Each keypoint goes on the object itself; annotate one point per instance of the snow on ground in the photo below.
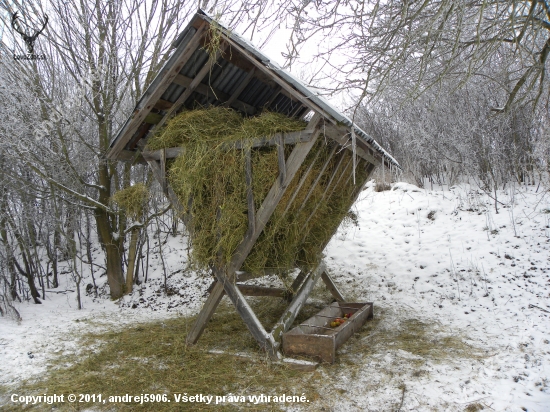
(442, 256)
(51, 329)
(450, 258)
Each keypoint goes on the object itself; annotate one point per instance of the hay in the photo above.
(215, 34)
(289, 239)
(209, 178)
(154, 358)
(202, 125)
(132, 200)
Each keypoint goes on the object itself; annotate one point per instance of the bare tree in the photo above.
(410, 46)
(100, 58)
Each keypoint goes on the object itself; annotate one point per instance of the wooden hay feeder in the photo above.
(236, 75)
(316, 338)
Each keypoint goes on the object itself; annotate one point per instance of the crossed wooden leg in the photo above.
(270, 342)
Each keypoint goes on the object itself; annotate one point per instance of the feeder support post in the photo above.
(331, 286)
(293, 309)
(248, 316)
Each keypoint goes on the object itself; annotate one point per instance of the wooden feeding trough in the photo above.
(316, 337)
(318, 171)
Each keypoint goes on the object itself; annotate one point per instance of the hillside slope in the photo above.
(461, 295)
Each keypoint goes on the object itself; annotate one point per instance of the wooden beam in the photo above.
(191, 88)
(249, 192)
(153, 94)
(295, 306)
(264, 339)
(281, 157)
(206, 313)
(240, 88)
(206, 90)
(298, 281)
(170, 153)
(302, 136)
(331, 286)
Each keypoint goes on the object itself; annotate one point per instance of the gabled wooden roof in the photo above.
(241, 78)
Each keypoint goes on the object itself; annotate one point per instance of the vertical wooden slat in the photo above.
(280, 142)
(163, 169)
(309, 193)
(250, 191)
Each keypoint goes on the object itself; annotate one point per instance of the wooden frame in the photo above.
(169, 93)
(226, 278)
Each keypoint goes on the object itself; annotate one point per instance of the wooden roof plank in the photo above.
(190, 89)
(152, 95)
(205, 90)
(240, 88)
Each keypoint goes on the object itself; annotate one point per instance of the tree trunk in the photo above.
(55, 280)
(132, 254)
(113, 255)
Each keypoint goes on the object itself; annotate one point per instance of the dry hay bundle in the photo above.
(209, 179)
(132, 200)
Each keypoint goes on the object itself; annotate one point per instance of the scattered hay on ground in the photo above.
(154, 358)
